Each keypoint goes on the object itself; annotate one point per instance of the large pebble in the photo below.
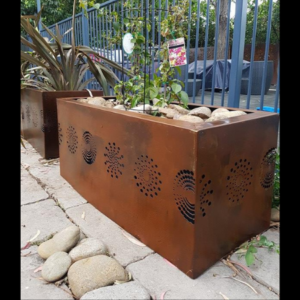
(168, 112)
(180, 109)
(87, 248)
(56, 266)
(218, 110)
(64, 241)
(94, 272)
(191, 119)
(97, 101)
(202, 112)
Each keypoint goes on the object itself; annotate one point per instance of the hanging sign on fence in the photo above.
(177, 53)
(127, 44)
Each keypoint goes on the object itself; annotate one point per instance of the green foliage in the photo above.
(59, 66)
(139, 88)
(249, 248)
(276, 187)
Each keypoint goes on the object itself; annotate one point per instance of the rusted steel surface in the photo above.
(39, 118)
(191, 193)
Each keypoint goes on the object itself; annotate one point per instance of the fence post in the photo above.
(85, 30)
(38, 3)
(237, 53)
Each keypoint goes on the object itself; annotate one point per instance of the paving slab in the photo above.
(31, 191)
(158, 276)
(97, 225)
(49, 177)
(32, 286)
(266, 266)
(45, 216)
(130, 290)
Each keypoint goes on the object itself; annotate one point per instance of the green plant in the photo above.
(61, 66)
(140, 88)
(276, 187)
(249, 248)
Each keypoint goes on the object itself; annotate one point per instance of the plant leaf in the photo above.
(184, 98)
(176, 88)
(249, 257)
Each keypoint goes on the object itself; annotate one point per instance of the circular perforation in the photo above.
(239, 180)
(113, 160)
(147, 176)
(184, 191)
(206, 192)
(72, 139)
(89, 149)
(267, 169)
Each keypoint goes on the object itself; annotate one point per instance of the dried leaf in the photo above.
(83, 215)
(26, 246)
(162, 295)
(26, 166)
(24, 255)
(33, 238)
(226, 298)
(242, 266)
(38, 269)
(251, 287)
(133, 239)
(241, 251)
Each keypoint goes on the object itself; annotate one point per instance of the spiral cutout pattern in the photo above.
(72, 139)
(184, 190)
(267, 169)
(239, 180)
(89, 149)
(113, 160)
(205, 195)
(147, 176)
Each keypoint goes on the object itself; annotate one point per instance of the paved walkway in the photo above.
(49, 204)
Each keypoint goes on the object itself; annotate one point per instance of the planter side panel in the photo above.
(132, 170)
(235, 172)
(32, 119)
(39, 118)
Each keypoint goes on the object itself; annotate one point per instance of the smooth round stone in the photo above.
(94, 272)
(56, 266)
(64, 241)
(202, 112)
(275, 216)
(191, 119)
(87, 248)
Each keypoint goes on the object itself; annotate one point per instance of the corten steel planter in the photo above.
(39, 118)
(190, 192)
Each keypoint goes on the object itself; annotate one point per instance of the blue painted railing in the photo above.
(90, 31)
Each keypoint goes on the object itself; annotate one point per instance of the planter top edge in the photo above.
(251, 115)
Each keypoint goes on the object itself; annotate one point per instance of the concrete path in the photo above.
(49, 204)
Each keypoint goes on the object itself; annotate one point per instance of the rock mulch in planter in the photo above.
(172, 111)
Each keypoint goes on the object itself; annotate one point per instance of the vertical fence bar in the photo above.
(205, 53)
(196, 50)
(85, 30)
(38, 3)
(253, 41)
(153, 37)
(226, 52)
(277, 87)
(188, 49)
(265, 71)
(237, 53)
(215, 54)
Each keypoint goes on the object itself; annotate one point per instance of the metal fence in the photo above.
(229, 82)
